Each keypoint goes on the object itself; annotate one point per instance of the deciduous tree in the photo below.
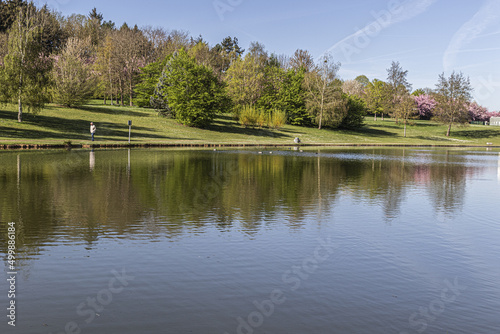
(397, 84)
(323, 92)
(377, 97)
(24, 76)
(353, 87)
(191, 92)
(245, 80)
(425, 105)
(405, 109)
(302, 59)
(74, 80)
(453, 95)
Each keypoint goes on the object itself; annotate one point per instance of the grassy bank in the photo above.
(57, 125)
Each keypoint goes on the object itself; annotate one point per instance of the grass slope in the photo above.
(56, 125)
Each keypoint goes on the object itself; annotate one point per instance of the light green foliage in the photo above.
(245, 80)
(323, 92)
(248, 116)
(277, 119)
(405, 109)
(418, 92)
(284, 91)
(203, 55)
(363, 80)
(377, 97)
(251, 116)
(453, 96)
(24, 76)
(191, 92)
(74, 82)
(397, 85)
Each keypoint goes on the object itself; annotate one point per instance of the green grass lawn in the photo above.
(57, 125)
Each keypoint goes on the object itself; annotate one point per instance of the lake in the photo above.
(288, 240)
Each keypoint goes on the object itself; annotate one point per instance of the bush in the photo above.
(277, 119)
(250, 116)
(356, 112)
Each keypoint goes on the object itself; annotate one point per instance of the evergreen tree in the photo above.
(148, 79)
(9, 11)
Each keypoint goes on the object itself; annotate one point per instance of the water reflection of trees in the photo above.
(79, 195)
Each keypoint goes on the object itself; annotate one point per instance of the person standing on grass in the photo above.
(92, 130)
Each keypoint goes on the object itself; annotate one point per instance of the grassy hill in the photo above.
(56, 125)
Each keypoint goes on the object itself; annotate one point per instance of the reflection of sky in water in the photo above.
(401, 222)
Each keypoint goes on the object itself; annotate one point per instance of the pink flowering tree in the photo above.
(478, 113)
(490, 114)
(425, 105)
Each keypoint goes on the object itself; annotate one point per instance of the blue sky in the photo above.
(427, 37)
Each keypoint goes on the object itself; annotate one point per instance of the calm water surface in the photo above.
(320, 241)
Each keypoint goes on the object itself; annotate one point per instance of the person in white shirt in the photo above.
(92, 130)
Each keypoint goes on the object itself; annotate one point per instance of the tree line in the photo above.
(46, 57)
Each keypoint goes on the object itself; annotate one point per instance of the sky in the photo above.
(427, 37)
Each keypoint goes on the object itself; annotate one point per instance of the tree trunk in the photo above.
(320, 117)
(404, 132)
(131, 92)
(321, 112)
(375, 116)
(20, 110)
(449, 129)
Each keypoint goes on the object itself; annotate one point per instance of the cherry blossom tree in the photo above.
(425, 106)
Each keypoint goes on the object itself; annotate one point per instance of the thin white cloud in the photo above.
(488, 14)
(386, 57)
(357, 41)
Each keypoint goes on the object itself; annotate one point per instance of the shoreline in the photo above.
(6, 147)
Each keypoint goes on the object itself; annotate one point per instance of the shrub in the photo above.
(249, 116)
(277, 119)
